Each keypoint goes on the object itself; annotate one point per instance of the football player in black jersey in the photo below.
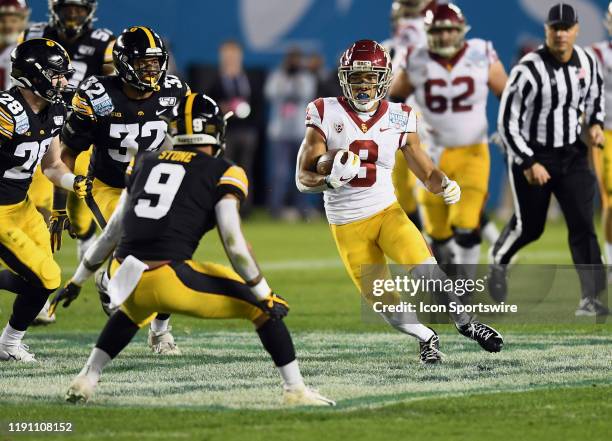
(31, 116)
(173, 198)
(121, 115)
(90, 49)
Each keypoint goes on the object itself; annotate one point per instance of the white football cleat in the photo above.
(81, 390)
(43, 317)
(19, 352)
(305, 396)
(162, 343)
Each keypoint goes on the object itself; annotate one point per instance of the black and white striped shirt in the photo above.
(545, 102)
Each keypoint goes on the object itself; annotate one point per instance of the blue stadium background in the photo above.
(267, 27)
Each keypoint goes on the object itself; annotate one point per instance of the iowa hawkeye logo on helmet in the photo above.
(36, 63)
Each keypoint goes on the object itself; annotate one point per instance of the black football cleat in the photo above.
(488, 338)
(430, 350)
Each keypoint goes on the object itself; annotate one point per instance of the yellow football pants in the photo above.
(41, 190)
(404, 182)
(104, 201)
(25, 245)
(364, 244)
(78, 212)
(470, 167)
(198, 289)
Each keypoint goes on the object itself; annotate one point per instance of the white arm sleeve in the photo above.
(104, 245)
(236, 247)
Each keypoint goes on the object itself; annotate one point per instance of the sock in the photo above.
(12, 282)
(117, 334)
(609, 253)
(27, 306)
(467, 256)
(96, 362)
(159, 325)
(11, 336)
(407, 323)
(490, 232)
(292, 377)
(276, 339)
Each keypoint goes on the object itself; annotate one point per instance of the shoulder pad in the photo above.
(235, 176)
(172, 82)
(102, 35)
(13, 117)
(92, 99)
(35, 30)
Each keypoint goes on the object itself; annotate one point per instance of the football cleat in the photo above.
(304, 396)
(497, 280)
(81, 390)
(430, 350)
(162, 343)
(43, 317)
(591, 307)
(19, 352)
(487, 337)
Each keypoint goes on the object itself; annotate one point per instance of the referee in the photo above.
(552, 95)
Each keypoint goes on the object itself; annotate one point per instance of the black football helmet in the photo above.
(137, 44)
(69, 25)
(198, 121)
(36, 63)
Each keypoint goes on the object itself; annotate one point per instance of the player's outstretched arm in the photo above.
(94, 257)
(243, 261)
(307, 179)
(422, 166)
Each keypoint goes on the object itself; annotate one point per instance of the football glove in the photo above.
(58, 222)
(450, 191)
(342, 172)
(68, 294)
(82, 186)
(275, 306)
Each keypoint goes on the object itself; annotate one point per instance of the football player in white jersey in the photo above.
(14, 16)
(603, 162)
(367, 223)
(450, 79)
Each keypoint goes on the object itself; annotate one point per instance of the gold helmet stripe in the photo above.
(149, 36)
(188, 117)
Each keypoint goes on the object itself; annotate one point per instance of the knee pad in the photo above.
(467, 238)
(50, 274)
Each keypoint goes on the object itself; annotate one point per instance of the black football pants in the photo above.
(573, 184)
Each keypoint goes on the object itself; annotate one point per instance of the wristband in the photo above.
(261, 290)
(67, 181)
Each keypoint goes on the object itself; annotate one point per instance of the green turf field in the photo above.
(549, 382)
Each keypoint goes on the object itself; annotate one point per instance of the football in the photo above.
(326, 161)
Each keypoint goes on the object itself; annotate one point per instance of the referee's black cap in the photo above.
(562, 14)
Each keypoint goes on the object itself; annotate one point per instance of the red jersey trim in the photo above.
(447, 63)
(364, 125)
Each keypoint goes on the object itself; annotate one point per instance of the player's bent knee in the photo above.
(467, 238)
(49, 273)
